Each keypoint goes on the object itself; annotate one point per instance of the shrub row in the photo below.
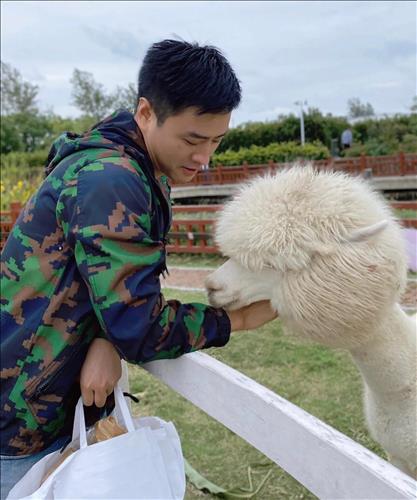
(21, 160)
(277, 152)
(385, 135)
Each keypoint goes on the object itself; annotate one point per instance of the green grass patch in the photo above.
(323, 382)
(406, 213)
(196, 215)
(191, 260)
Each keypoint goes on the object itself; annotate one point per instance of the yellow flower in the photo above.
(20, 184)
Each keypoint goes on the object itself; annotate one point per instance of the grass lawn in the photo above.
(319, 380)
(406, 213)
(191, 260)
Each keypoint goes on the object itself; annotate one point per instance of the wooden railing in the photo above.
(324, 460)
(191, 236)
(187, 235)
(196, 236)
(195, 209)
(192, 209)
(404, 205)
(409, 223)
(376, 166)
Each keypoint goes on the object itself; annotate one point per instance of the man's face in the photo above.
(183, 143)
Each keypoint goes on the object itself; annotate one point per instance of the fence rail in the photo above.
(404, 205)
(192, 236)
(400, 164)
(325, 461)
(193, 209)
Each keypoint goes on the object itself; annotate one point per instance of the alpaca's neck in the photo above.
(388, 362)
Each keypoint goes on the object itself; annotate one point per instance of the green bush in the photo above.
(285, 129)
(277, 152)
(21, 174)
(76, 125)
(25, 132)
(384, 136)
(374, 136)
(18, 183)
(373, 147)
(20, 160)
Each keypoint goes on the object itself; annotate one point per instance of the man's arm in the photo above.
(252, 316)
(102, 369)
(107, 222)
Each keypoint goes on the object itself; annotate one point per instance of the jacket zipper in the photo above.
(44, 385)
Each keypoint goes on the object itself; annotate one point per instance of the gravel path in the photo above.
(187, 278)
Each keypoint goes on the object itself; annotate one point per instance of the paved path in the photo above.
(186, 278)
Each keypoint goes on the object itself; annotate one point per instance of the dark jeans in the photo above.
(13, 468)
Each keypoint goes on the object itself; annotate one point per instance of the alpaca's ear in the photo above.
(367, 232)
(356, 236)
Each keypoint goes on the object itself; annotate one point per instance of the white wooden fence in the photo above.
(325, 461)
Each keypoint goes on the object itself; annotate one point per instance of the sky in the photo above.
(322, 53)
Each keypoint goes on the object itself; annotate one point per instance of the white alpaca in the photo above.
(327, 252)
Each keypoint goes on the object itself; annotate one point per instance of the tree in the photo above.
(24, 132)
(17, 96)
(9, 136)
(413, 107)
(23, 127)
(125, 97)
(92, 98)
(357, 109)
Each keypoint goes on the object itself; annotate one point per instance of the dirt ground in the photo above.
(194, 278)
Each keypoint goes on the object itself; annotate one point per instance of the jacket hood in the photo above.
(119, 132)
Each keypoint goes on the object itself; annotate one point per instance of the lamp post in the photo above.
(302, 132)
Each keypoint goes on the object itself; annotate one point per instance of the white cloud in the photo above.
(325, 52)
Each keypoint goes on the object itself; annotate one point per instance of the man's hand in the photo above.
(100, 372)
(252, 316)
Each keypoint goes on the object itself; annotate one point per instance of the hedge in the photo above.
(277, 152)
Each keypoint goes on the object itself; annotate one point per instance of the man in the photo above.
(81, 268)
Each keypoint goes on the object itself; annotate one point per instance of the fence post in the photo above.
(401, 157)
(15, 209)
(270, 167)
(363, 163)
(220, 173)
(245, 170)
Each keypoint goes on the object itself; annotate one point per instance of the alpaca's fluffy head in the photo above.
(322, 246)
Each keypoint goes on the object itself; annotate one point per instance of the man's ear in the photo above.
(144, 113)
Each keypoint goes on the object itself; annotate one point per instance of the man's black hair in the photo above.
(176, 75)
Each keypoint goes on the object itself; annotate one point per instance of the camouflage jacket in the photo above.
(83, 260)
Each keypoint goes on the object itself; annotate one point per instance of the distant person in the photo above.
(80, 270)
(346, 138)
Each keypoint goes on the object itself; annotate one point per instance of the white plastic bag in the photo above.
(144, 463)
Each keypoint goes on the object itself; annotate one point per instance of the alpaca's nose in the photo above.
(212, 286)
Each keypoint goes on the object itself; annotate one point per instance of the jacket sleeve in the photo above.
(107, 220)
